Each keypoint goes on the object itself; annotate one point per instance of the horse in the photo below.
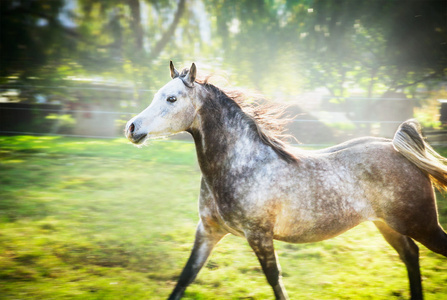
(257, 186)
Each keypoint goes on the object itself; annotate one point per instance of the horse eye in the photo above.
(171, 99)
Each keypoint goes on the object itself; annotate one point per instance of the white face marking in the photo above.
(163, 117)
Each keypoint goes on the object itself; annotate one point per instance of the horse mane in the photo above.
(267, 119)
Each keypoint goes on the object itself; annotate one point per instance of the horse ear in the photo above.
(174, 72)
(191, 76)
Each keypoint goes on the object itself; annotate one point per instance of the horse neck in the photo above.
(226, 138)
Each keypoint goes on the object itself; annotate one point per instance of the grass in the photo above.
(89, 219)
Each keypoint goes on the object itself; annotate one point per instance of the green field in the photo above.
(102, 219)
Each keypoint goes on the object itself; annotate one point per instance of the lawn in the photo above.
(102, 219)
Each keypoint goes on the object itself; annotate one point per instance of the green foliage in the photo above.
(64, 122)
(426, 119)
(278, 47)
(102, 219)
(33, 40)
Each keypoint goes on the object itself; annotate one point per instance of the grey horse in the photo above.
(258, 187)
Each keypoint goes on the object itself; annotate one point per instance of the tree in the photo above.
(391, 44)
(33, 42)
(109, 39)
(375, 45)
(286, 46)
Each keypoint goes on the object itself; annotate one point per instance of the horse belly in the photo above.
(321, 218)
(318, 229)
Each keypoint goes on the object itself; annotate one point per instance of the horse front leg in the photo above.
(203, 245)
(262, 245)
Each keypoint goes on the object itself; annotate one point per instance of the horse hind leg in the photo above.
(414, 214)
(408, 252)
(420, 222)
(434, 238)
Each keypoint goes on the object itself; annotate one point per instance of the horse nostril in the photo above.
(131, 128)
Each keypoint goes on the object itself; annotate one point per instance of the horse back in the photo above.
(339, 187)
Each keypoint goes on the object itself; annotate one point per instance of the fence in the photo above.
(48, 120)
(320, 120)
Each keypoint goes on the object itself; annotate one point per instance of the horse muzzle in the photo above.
(132, 132)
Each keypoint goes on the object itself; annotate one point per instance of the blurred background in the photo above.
(85, 215)
(346, 67)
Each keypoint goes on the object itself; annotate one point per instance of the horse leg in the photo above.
(419, 221)
(203, 245)
(434, 238)
(262, 245)
(408, 253)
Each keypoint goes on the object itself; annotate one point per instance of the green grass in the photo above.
(102, 219)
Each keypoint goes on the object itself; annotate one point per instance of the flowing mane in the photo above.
(266, 120)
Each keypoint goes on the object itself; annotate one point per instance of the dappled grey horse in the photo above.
(256, 186)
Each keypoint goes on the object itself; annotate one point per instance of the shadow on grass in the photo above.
(14, 208)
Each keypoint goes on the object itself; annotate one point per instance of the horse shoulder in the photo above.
(210, 214)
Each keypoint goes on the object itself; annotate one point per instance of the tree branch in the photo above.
(159, 46)
(423, 79)
(135, 23)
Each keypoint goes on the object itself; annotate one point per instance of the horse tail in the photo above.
(409, 141)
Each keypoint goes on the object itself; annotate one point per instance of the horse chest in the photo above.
(237, 202)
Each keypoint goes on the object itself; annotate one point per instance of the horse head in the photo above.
(171, 111)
